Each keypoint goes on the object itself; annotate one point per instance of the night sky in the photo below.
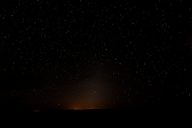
(91, 54)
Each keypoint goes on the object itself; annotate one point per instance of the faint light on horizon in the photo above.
(86, 105)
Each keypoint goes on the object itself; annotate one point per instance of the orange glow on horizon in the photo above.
(84, 106)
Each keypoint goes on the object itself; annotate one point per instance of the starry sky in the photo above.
(90, 54)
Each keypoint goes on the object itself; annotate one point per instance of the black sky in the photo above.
(123, 53)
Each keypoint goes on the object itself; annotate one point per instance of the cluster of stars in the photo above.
(144, 49)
